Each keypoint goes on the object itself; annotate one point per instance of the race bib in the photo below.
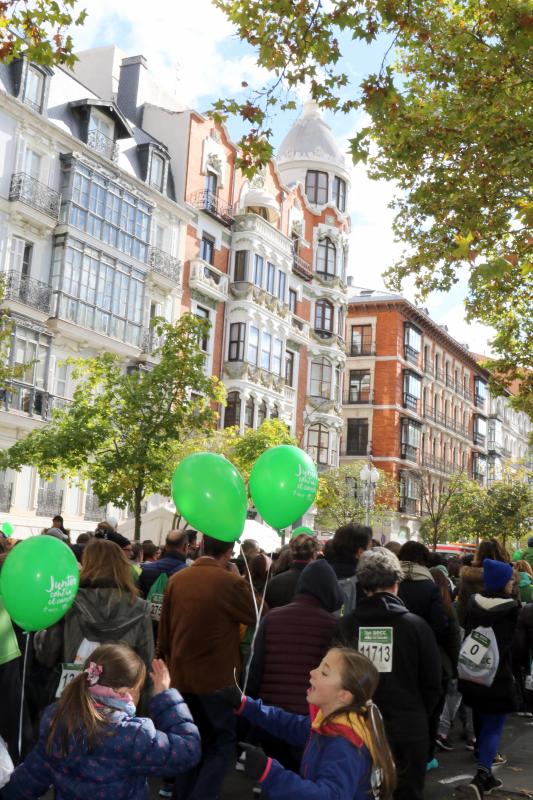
(475, 647)
(68, 673)
(377, 645)
(156, 604)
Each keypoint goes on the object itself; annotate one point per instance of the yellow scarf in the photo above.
(352, 726)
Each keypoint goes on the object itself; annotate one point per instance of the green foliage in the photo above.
(338, 503)
(38, 30)
(8, 371)
(122, 428)
(449, 120)
(436, 508)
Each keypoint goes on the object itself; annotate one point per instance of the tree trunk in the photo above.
(138, 496)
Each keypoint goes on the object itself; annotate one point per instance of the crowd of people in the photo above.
(335, 672)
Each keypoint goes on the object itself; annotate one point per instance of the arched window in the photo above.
(321, 379)
(261, 413)
(274, 414)
(318, 443)
(324, 316)
(232, 415)
(249, 413)
(325, 257)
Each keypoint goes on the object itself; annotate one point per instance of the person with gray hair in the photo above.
(402, 647)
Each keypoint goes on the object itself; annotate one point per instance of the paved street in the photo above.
(455, 769)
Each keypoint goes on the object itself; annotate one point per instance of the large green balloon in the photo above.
(38, 582)
(283, 484)
(210, 493)
(302, 529)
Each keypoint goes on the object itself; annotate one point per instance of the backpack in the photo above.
(348, 587)
(479, 657)
(155, 596)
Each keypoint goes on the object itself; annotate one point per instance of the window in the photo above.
(357, 437)
(237, 332)
(324, 316)
(410, 440)
(480, 392)
(32, 164)
(318, 442)
(409, 492)
(249, 411)
(412, 384)
(271, 278)
(427, 358)
(266, 346)
(437, 365)
(157, 171)
(277, 350)
(337, 384)
(325, 257)
(98, 292)
(293, 297)
(211, 183)
(412, 342)
(32, 349)
(232, 414)
(203, 313)
(479, 466)
(241, 262)
(339, 193)
(102, 124)
(61, 380)
(316, 187)
(253, 344)
(361, 341)
(289, 367)
(480, 430)
(34, 89)
(207, 248)
(20, 256)
(261, 413)
(108, 212)
(359, 388)
(282, 283)
(274, 414)
(320, 384)
(258, 271)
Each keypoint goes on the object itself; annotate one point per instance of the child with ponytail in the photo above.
(91, 744)
(346, 755)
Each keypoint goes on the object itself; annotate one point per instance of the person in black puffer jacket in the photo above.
(419, 591)
(343, 552)
(282, 587)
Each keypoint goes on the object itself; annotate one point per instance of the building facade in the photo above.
(118, 205)
(417, 402)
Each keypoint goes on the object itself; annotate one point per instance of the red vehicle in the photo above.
(456, 549)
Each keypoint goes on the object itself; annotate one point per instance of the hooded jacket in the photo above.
(100, 615)
(150, 572)
(120, 764)
(407, 695)
(292, 640)
(334, 766)
(499, 612)
(421, 596)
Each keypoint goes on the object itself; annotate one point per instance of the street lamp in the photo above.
(369, 476)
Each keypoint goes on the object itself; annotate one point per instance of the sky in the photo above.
(198, 56)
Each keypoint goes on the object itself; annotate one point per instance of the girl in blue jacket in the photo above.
(91, 744)
(346, 757)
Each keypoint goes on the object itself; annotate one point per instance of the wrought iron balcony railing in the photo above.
(357, 396)
(408, 505)
(18, 396)
(27, 290)
(364, 347)
(102, 144)
(207, 201)
(35, 194)
(164, 264)
(49, 502)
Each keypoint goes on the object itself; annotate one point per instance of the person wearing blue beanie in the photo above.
(493, 608)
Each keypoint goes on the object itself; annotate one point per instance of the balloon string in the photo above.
(257, 618)
(23, 692)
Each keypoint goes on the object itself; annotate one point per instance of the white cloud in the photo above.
(474, 335)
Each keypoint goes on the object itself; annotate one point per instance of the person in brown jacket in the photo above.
(199, 639)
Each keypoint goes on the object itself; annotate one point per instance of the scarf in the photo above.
(106, 696)
(352, 726)
(416, 572)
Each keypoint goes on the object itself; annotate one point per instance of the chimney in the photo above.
(133, 74)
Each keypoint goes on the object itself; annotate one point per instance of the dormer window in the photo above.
(101, 134)
(339, 193)
(34, 89)
(316, 187)
(157, 171)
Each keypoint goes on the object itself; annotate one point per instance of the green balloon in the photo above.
(302, 529)
(38, 582)
(7, 528)
(210, 493)
(283, 484)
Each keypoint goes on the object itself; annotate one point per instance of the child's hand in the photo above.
(160, 676)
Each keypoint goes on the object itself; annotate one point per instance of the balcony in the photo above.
(302, 267)
(56, 403)
(409, 452)
(49, 502)
(93, 509)
(494, 447)
(289, 393)
(151, 341)
(428, 369)
(251, 223)
(208, 280)
(6, 493)
(27, 291)
(408, 505)
(411, 354)
(102, 144)
(246, 371)
(438, 464)
(410, 402)
(299, 330)
(366, 347)
(214, 206)
(446, 422)
(29, 191)
(479, 439)
(360, 397)
(164, 264)
(18, 396)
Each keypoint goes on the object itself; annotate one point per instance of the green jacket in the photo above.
(527, 555)
(9, 649)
